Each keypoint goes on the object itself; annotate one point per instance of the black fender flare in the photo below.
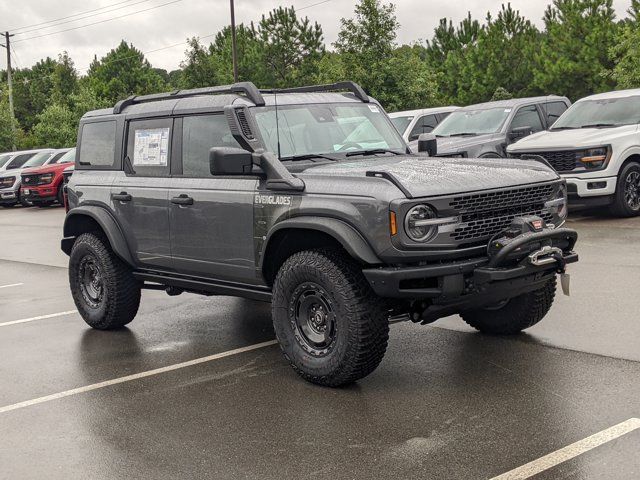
(352, 241)
(105, 221)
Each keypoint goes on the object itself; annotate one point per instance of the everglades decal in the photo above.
(284, 200)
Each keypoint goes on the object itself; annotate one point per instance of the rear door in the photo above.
(139, 193)
(211, 216)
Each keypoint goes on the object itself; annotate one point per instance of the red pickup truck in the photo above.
(43, 186)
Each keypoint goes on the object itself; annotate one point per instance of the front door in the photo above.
(211, 217)
(139, 196)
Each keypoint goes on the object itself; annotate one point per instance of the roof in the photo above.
(615, 94)
(513, 102)
(423, 111)
(35, 150)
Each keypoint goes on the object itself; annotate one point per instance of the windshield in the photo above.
(37, 160)
(472, 122)
(326, 129)
(70, 156)
(611, 112)
(401, 123)
(4, 159)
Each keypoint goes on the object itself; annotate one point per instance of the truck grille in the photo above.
(486, 214)
(561, 161)
(30, 179)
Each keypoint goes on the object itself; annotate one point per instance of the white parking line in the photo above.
(136, 376)
(11, 285)
(41, 317)
(571, 451)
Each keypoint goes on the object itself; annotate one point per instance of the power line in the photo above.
(313, 5)
(82, 18)
(69, 16)
(99, 22)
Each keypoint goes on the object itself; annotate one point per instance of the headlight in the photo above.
(45, 178)
(559, 205)
(595, 157)
(7, 182)
(419, 223)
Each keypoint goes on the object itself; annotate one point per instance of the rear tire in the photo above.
(103, 287)
(627, 198)
(330, 325)
(517, 314)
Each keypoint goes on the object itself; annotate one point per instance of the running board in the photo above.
(205, 286)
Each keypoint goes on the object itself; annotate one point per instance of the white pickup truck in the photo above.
(595, 146)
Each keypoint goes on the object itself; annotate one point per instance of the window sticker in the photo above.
(151, 147)
(507, 110)
(374, 108)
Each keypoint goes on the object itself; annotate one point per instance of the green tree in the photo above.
(573, 57)
(8, 125)
(123, 72)
(65, 80)
(200, 68)
(625, 54)
(57, 127)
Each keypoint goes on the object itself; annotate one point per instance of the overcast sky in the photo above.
(172, 23)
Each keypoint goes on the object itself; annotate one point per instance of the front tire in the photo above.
(627, 199)
(330, 325)
(516, 314)
(103, 287)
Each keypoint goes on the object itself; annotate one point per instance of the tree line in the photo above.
(582, 49)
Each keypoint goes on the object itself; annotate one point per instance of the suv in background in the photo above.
(43, 186)
(307, 198)
(595, 146)
(10, 174)
(485, 130)
(413, 123)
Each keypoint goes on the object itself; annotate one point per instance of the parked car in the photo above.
(315, 204)
(10, 174)
(485, 130)
(412, 123)
(42, 186)
(66, 175)
(595, 146)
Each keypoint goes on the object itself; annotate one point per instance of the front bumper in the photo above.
(455, 286)
(39, 194)
(591, 187)
(8, 196)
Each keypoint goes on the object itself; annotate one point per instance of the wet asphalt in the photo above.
(446, 402)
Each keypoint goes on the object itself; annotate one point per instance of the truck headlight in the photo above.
(417, 224)
(7, 182)
(45, 178)
(559, 205)
(595, 157)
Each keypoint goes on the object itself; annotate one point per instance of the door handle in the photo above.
(122, 197)
(182, 200)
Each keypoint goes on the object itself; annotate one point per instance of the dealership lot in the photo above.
(445, 403)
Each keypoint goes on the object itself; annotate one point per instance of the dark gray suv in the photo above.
(309, 199)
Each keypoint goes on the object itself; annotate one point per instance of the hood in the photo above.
(422, 176)
(56, 167)
(449, 145)
(572, 139)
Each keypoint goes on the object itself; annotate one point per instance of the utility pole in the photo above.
(234, 50)
(7, 45)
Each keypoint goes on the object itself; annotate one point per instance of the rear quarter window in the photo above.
(97, 145)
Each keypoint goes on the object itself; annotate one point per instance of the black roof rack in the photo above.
(332, 87)
(246, 88)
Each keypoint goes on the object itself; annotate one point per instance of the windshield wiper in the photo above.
(308, 156)
(553, 129)
(463, 134)
(373, 151)
(599, 125)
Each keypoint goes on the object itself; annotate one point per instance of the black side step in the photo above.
(205, 286)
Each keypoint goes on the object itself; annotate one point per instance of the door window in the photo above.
(97, 145)
(553, 110)
(200, 134)
(527, 117)
(425, 124)
(149, 147)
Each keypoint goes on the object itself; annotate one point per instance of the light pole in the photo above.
(234, 51)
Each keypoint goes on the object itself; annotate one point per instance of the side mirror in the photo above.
(230, 161)
(519, 132)
(427, 143)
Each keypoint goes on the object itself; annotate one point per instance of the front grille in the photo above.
(484, 215)
(30, 179)
(561, 161)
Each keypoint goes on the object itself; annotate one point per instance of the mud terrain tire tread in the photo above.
(519, 314)
(122, 289)
(360, 346)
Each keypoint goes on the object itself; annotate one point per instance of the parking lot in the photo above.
(196, 388)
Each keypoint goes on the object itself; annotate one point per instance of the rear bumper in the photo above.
(476, 282)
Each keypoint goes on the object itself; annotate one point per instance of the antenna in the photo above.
(275, 99)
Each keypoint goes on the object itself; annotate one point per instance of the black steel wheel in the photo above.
(330, 325)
